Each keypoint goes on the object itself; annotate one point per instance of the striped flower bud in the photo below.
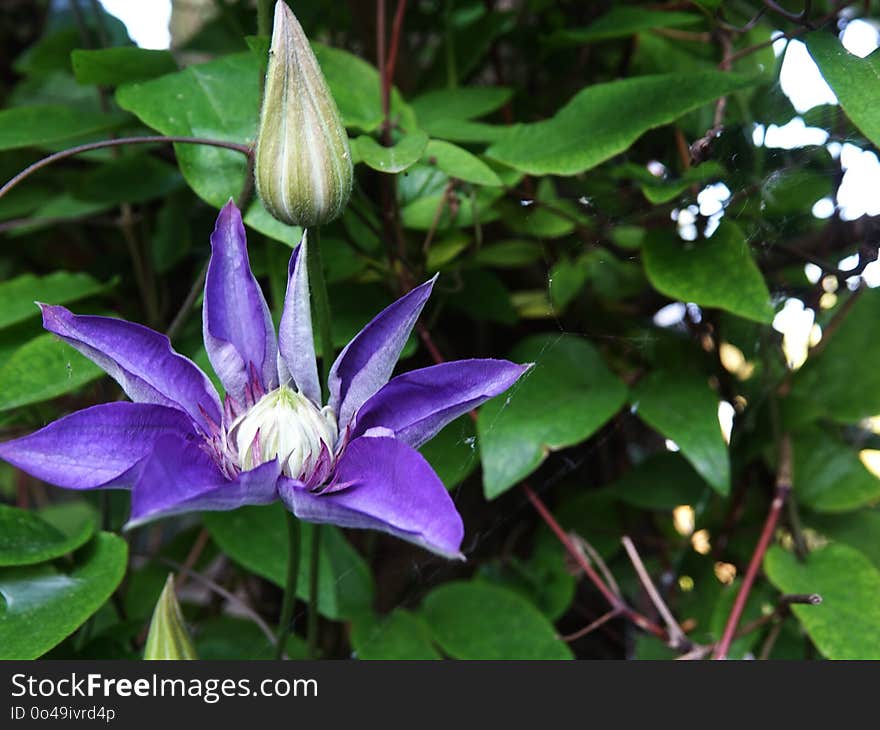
(303, 165)
(168, 638)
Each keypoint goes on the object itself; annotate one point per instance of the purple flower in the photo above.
(179, 449)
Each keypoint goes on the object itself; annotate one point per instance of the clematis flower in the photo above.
(179, 448)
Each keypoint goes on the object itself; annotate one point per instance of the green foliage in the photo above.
(44, 604)
(843, 625)
(853, 80)
(479, 621)
(591, 185)
(40, 369)
(556, 146)
(115, 66)
(564, 399)
(714, 272)
(256, 537)
(685, 410)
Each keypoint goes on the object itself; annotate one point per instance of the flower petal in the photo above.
(296, 344)
(368, 360)
(393, 489)
(239, 335)
(417, 404)
(98, 446)
(181, 477)
(141, 360)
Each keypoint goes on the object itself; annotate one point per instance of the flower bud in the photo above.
(287, 425)
(303, 164)
(168, 638)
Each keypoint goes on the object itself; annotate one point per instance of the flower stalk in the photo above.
(321, 302)
(287, 604)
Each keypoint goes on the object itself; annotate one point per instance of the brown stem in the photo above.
(590, 628)
(79, 149)
(615, 602)
(783, 487)
(677, 638)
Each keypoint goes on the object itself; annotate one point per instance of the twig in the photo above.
(120, 141)
(220, 591)
(783, 487)
(581, 543)
(589, 628)
(615, 601)
(677, 638)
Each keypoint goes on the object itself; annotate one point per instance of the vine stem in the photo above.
(614, 601)
(321, 304)
(119, 142)
(783, 487)
(293, 557)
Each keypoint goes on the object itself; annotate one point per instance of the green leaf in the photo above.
(218, 100)
(563, 400)
(855, 81)
(30, 126)
(620, 22)
(658, 190)
(846, 625)
(685, 409)
(829, 477)
(452, 452)
(843, 381)
(459, 163)
(605, 119)
(481, 621)
(42, 605)
(565, 281)
(663, 481)
(544, 579)
(398, 158)
(713, 272)
(17, 296)
(225, 637)
(41, 369)
(484, 298)
(509, 254)
(859, 529)
(467, 102)
(168, 637)
(401, 636)
(256, 537)
(26, 538)
(115, 66)
(134, 178)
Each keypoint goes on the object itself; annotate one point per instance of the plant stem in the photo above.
(118, 142)
(321, 308)
(264, 13)
(290, 589)
(783, 487)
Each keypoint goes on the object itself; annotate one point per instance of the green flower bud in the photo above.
(303, 165)
(168, 638)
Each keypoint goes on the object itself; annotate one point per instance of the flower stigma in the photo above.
(286, 424)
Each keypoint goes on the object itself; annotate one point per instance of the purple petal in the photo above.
(181, 477)
(140, 360)
(393, 489)
(239, 335)
(296, 344)
(368, 360)
(416, 405)
(98, 446)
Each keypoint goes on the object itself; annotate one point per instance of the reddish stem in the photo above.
(393, 48)
(615, 602)
(118, 142)
(783, 487)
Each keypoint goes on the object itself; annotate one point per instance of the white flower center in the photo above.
(287, 425)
